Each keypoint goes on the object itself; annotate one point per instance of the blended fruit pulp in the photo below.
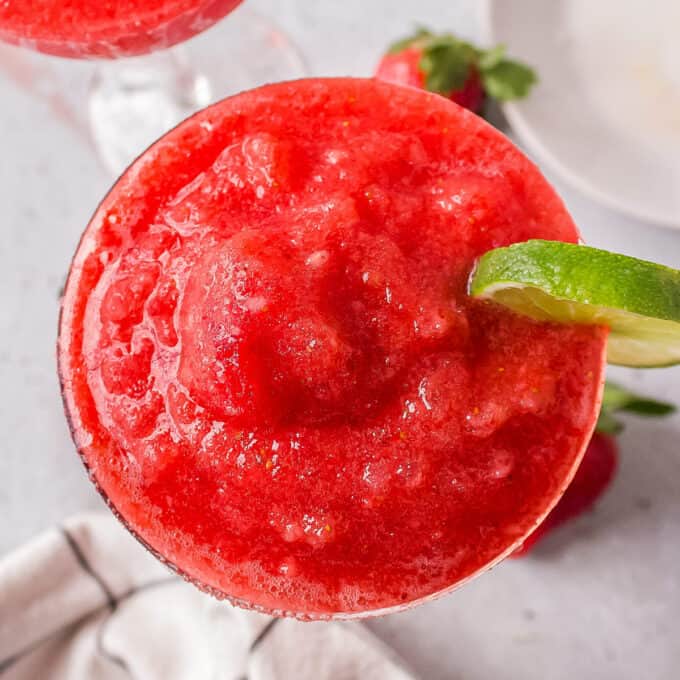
(83, 28)
(272, 367)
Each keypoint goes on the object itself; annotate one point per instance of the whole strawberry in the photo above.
(599, 463)
(590, 481)
(455, 69)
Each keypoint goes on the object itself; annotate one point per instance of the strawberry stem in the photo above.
(618, 399)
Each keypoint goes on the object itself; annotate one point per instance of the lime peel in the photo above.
(568, 283)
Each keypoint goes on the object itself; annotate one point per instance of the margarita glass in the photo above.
(272, 368)
(143, 84)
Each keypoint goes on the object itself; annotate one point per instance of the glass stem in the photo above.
(134, 101)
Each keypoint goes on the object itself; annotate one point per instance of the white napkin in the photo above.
(87, 602)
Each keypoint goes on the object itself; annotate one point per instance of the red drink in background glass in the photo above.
(141, 88)
(272, 369)
(84, 29)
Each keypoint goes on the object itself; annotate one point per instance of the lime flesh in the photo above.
(638, 301)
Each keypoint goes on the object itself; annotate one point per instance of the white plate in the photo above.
(606, 112)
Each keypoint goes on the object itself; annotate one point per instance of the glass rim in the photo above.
(218, 593)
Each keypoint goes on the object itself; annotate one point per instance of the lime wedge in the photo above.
(567, 283)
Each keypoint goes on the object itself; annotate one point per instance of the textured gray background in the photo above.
(600, 600)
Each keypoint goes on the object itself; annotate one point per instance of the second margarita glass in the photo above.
(144, 84)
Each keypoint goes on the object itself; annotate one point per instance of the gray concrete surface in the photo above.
(601, 600)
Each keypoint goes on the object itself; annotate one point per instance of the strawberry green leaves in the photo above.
(504, 79)
(448, 62)
(445, 61)
(618, 399)
(508, 80)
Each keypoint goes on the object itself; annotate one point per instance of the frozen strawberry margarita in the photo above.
(274, 372)
(87, 28)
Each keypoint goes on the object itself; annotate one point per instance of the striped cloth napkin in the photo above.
(87, 602)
